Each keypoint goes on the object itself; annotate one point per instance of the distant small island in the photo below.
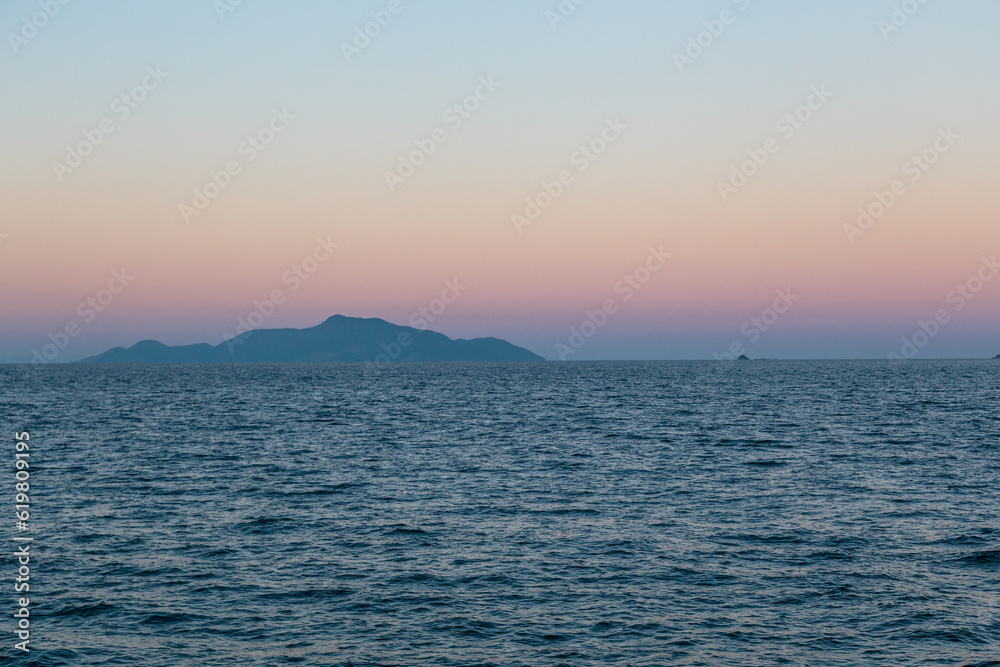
(338, 339)
(743, 357)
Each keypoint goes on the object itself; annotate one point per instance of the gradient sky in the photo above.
(655, 186)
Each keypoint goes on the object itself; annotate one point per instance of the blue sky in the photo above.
(892, 91)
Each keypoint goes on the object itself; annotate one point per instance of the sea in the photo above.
(543, 514)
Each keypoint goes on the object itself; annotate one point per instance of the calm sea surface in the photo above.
(761, 513)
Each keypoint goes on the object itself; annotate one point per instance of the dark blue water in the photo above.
(766, 513)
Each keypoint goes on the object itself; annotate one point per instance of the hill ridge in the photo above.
(338, 338)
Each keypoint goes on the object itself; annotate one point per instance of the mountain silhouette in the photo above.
(339, 338)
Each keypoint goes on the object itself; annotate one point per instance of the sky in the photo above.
(587, 179)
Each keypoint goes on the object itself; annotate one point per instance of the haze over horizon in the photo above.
(171, 168)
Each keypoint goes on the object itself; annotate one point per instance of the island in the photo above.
(337, 339)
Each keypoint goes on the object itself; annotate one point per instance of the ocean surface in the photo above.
(757, 513)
